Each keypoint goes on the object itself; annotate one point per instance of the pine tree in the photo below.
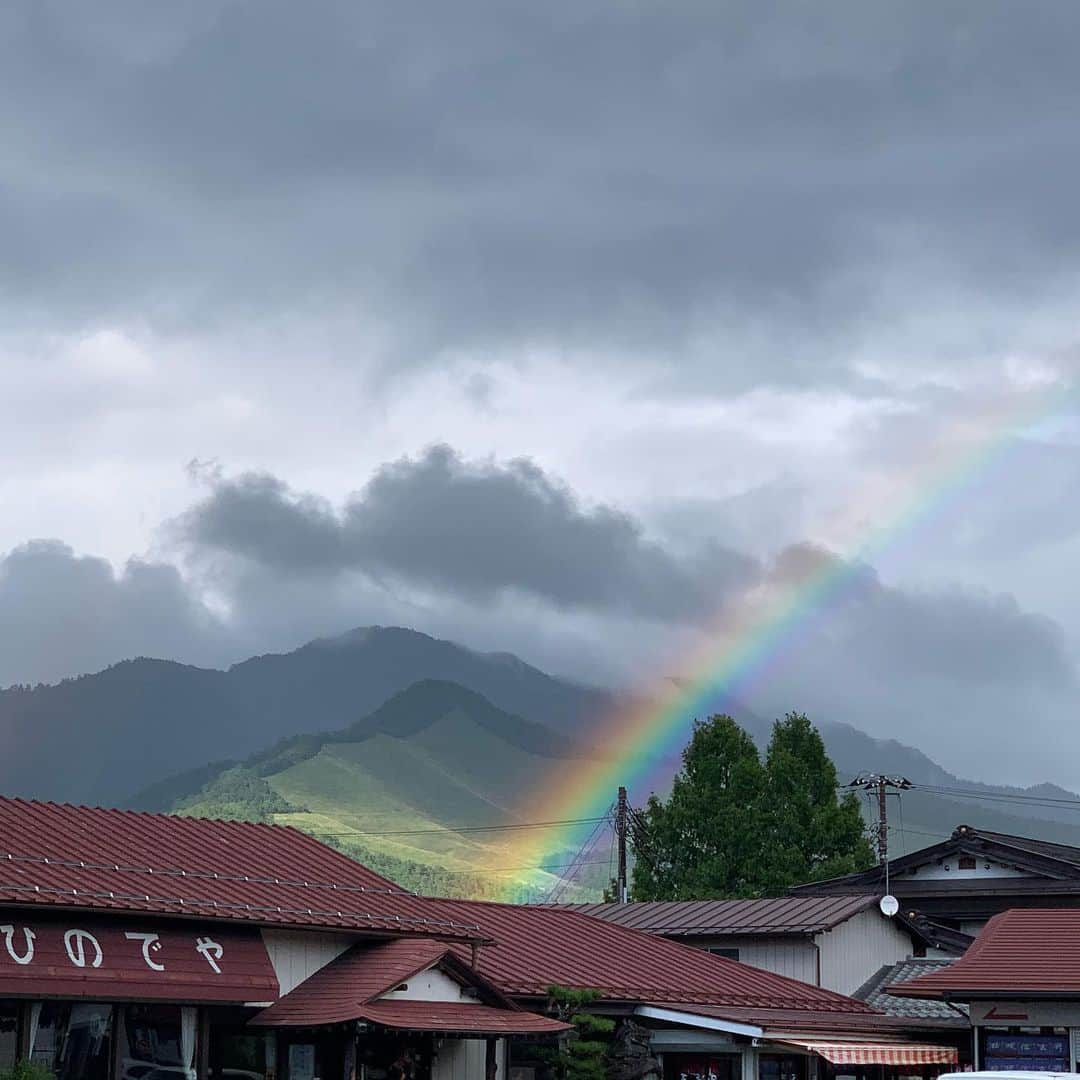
(583, 1055)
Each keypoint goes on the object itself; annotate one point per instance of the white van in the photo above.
(1005, 1074)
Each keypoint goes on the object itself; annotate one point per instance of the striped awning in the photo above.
(879, 1053)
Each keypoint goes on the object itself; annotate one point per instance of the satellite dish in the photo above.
(889, 905)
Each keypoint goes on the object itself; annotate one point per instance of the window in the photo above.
(72, 1041)
(781, 1067)
(727, 954)
(966, 862)
(157, 1039)
(236, 1053)
(9, 1034)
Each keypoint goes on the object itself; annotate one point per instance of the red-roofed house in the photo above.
(832, 941)
(707, 1016)
(1021, 982)
(146, 947)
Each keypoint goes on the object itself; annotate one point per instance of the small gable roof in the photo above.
(352, 987)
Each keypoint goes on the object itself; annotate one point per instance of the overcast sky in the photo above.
(558, 328)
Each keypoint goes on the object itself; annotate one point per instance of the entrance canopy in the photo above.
(879, 1053)
(457, 1018)
(367, 983)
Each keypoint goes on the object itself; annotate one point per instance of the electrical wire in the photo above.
(460, 828)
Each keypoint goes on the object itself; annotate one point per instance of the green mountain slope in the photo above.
(396, 785)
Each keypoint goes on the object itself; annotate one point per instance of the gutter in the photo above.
(709, 1023)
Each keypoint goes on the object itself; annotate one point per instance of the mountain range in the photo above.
(389, 742)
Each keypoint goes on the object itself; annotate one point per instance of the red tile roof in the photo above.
(456, 1017)
(538, 947)
(1019, 952)
(78, 857)
(784, 915)
(349, 988)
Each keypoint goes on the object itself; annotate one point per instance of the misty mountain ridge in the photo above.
(165, 730)
(100, 738)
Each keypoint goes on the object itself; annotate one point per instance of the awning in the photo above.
(879, 1053)
(452, 1016)
(132, 959)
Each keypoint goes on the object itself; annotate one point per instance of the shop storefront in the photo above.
(145, 947)
(98, 999)
(1021, 983)
(764, 1044)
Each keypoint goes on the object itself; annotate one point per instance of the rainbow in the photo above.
(760, 629)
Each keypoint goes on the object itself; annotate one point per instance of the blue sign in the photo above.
(1034, 1053)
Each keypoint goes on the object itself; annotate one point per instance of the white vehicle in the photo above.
(1005, 1074)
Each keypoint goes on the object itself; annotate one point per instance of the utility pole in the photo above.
(882, 784)
(621, 821)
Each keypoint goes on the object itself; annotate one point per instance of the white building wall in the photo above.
(295, 956)
(794, 957)
(854, 950)
(431, 985)
(949, 868)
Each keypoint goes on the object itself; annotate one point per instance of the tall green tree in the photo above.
(734, 826)
(813, 833)
(707, 839)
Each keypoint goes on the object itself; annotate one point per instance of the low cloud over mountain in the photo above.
(510, 555)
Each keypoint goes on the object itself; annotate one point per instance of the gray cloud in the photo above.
(473, 530)
(63, 614)
(748, 186)
(962, 635)
(966, 675)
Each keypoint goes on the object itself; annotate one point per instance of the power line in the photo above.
(459, 828)
(481, 871)
(1047, 801)
(992, 796)
(568, 876)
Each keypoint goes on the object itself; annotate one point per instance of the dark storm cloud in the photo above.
(62, 614)
(611, 175)
(473, 530)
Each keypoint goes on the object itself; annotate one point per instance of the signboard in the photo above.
(132, 960)
(1034, 1053)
